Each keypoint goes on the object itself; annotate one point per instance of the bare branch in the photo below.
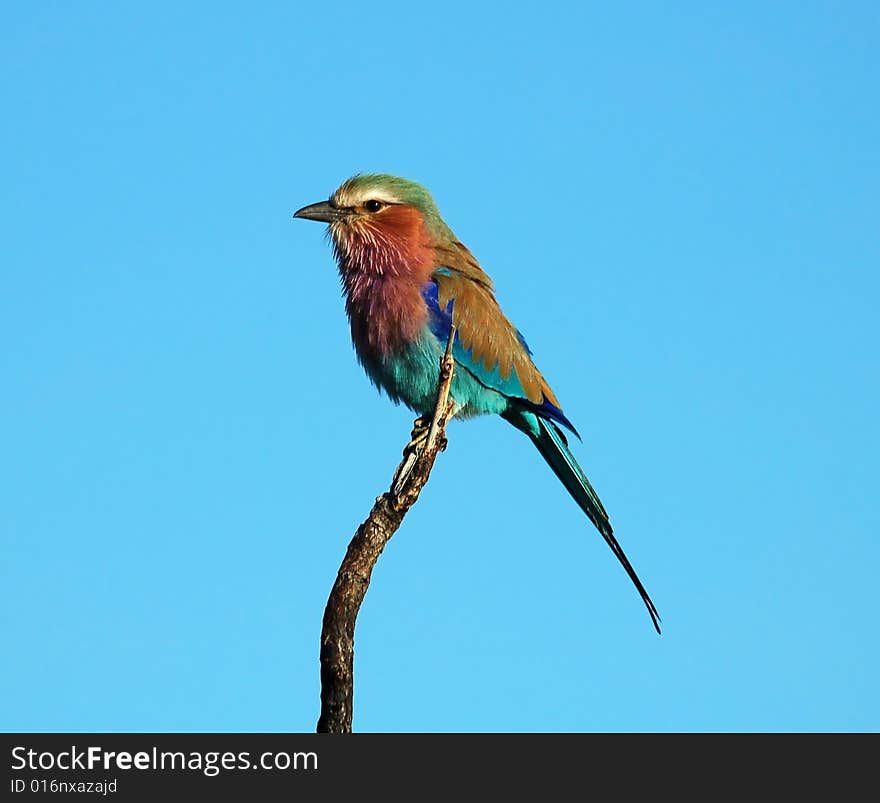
(353, 578)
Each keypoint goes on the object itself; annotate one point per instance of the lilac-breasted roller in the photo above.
(407, 279)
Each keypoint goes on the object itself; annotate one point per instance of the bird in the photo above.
(407, 280)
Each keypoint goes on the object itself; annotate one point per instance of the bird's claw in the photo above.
(421, 428)
(413, 451)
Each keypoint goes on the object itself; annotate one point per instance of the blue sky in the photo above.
(678, 205)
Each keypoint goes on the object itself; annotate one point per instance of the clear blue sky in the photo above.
(679, 207)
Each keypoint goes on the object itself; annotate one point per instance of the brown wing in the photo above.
(482, 327)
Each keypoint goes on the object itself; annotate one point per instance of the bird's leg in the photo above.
(421, 427)
(418, 441)
(411, 452)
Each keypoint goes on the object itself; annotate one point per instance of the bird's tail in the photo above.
(554, 449)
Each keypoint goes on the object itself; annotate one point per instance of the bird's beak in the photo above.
(323, 212)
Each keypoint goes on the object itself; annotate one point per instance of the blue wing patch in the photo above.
(522, 340)
(439, 320)
(547, 410)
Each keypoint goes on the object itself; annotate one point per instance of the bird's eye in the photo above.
(373, 206)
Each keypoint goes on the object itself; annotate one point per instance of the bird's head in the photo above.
(378, 215)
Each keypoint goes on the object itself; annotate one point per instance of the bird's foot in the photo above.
(412, 451)
(421, 428)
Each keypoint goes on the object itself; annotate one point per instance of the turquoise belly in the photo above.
(412, 376)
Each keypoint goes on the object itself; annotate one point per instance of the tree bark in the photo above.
(353, 578)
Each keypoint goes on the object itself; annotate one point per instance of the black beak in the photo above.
(324, 212)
